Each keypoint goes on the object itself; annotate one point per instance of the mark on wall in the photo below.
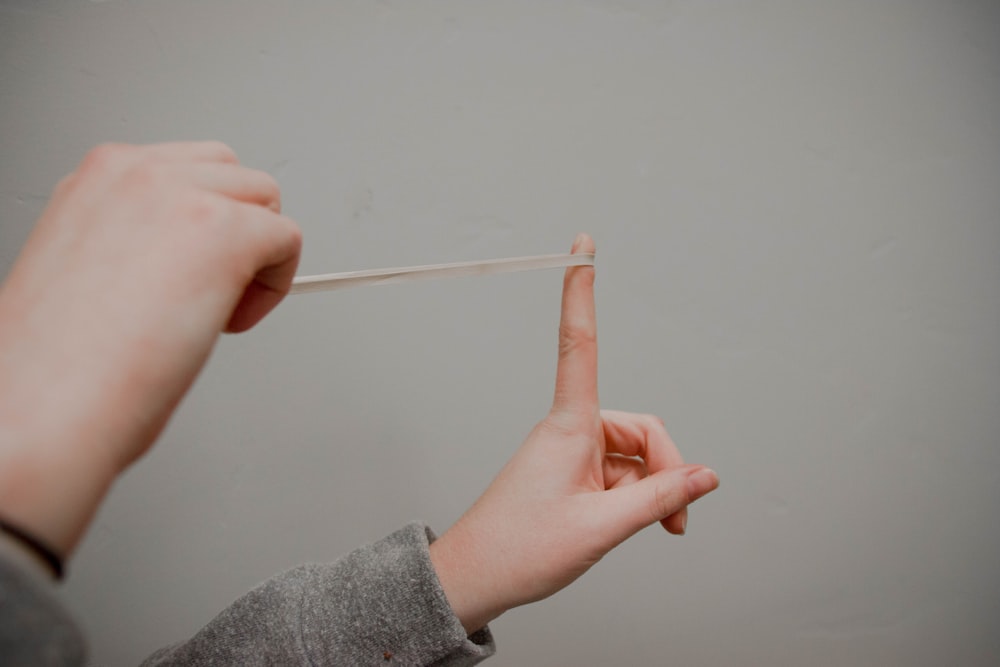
(360, 202)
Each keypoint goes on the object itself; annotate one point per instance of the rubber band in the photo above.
(333, 281)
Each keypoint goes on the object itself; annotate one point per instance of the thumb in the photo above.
(629, 509)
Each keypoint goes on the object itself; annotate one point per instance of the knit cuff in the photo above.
(392, 608)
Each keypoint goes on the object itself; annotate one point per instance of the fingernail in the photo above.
(701, 482)
(579, 239)
(684, 525)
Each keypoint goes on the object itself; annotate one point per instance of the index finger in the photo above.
(576, 374)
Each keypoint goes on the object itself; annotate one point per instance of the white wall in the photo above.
(797, 210)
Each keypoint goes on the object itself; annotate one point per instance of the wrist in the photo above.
(472, 591)
(40, 554)
(50, 492)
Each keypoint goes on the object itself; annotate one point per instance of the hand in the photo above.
(583, 482)
(142, 257)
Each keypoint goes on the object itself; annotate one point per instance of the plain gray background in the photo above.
(797, 213)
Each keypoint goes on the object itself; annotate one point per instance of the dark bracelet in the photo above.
(42, 550)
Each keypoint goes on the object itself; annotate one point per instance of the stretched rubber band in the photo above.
(332, 281)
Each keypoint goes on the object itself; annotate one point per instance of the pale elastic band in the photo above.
(332, 281)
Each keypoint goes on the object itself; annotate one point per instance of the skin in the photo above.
(584, 481)
(142, 257)
(145, 254)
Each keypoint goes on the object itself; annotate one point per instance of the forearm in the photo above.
(76, 404)
(56, 430)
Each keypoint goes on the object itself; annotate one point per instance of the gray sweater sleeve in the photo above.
(379, 605)
(35, 629)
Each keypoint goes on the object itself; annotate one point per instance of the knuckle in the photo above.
(294, 236)
(204, 210)
(103, 157)
(291, 239)
(143, 174)
(654, 421)
(564, 424)
(268, 182)
(65, 185)
(573, 336)
(222, 151)
(269, 185)
(557, 424)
